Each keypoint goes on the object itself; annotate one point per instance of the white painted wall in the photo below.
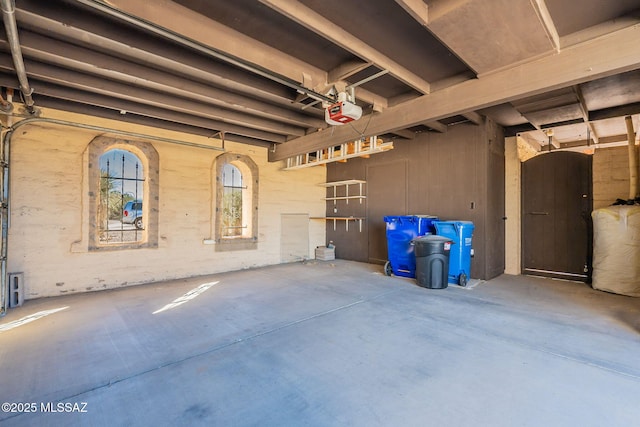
(49, 218)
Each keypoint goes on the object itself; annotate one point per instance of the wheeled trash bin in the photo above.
(401, 230)
(461, 234)
(432, 261)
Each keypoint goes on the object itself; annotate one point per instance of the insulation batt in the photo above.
(616, 250)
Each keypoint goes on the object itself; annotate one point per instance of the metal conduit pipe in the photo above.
(109, 130)
(9, 19)
(4, 188)
(633, 159)
(4, 214)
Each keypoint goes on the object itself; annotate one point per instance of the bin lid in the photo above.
(432, 244)
(432, 237)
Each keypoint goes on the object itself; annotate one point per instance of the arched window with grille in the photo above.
(123, 196)
(233, 217)
(121, 203)
(236, 201)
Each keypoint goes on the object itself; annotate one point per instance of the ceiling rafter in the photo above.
(418, 9)
(346, 70)
(61, 54)
(585, 114)
(436, 126)
(115, 90)
(307, 17)
(109, 43)
(128, 107)
(216, 65)
(404, 133)
(616, 53)
(174, 17)
(473, 117)
(547, 23)
(181, 20)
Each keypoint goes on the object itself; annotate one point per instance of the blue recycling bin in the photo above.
(401, 230)
(461, 234)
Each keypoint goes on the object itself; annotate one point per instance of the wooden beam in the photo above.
(473, 117)
(418, 9)
(197, 27)
(142, 96)
(436, 126)
(346, 70)
(604, 56)
(547, 23)
(404, 133)
(59, 53)
(609, 113)
(585, 113)
(312, 20)
(533, 143)
(604, 141)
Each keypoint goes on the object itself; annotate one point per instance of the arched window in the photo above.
(121, 203)
(233, 220)
(123, 196)
(236, 202)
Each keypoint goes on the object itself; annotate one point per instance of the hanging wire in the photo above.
(361, 134)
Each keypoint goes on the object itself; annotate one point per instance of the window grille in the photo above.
(233, 189)
(121, 198)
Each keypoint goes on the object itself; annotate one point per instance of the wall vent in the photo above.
(16, 289)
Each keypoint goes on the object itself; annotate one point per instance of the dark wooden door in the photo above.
(556, 215)
(387, 195)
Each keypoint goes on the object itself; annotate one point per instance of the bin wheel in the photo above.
(387, 268)
(463, 280)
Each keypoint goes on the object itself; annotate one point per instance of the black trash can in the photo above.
(432, 261)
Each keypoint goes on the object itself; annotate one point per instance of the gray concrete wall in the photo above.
(50, 221)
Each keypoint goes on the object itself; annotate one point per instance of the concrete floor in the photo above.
(326, 344)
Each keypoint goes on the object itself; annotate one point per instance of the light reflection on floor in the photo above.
(30, 318)
(187, 297)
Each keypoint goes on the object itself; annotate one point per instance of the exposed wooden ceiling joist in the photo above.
(307, 17)
(84, 83)
(436, 126)
(584, 110)
(87, 61)
(260, 68)
(616, 53)
(418, 9)
(166, 57)
(473, 117)
(404, 133)
(172, 16)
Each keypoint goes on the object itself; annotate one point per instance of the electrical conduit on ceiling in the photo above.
(9, 19)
